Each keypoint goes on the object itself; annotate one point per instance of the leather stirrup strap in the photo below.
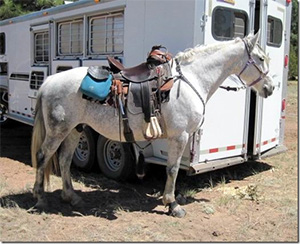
(145, 90)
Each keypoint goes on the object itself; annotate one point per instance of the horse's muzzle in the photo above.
(268, 90)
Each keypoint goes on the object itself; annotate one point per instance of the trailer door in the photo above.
(223, 132)
(272, 25)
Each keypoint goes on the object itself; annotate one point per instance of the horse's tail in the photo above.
(38, 137)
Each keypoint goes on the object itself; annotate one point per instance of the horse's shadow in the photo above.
(108, 198)
(99, 203)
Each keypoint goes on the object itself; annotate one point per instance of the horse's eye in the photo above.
(261, 59)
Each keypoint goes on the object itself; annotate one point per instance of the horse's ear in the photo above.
(252, 40)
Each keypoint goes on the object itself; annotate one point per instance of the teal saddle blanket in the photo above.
(96, 84)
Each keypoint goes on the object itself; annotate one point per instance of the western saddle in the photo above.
(142, 89)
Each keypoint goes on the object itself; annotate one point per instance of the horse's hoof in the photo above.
(77, 202)
(176, 211)
(39, 207)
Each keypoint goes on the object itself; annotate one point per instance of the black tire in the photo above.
(115, 159)
(4, 121)
(85, 154)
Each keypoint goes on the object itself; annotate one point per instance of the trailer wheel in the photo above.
(85, 154)
(115, 159)
(3, 111)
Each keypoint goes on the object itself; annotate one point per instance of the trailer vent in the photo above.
(3, 68)
(36, 79)
(2, 43)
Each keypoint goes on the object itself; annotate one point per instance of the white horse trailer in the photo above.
(238, 126)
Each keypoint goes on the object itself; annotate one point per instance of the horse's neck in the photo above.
(212, 67)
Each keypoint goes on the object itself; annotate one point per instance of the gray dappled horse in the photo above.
(199, 71)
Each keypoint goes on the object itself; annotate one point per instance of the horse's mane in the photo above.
(189, 54)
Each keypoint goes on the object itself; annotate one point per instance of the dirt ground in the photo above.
(252, 202)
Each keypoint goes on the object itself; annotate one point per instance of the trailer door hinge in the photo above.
(203, 21)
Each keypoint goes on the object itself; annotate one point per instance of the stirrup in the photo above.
(147, 131)
(152, 129)
(154, 120)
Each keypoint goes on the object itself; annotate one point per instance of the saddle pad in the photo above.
(96, 89)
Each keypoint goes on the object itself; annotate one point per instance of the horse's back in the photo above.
(67, 80)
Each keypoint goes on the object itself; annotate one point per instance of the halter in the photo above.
(249, 62)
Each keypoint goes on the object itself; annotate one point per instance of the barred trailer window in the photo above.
(229, 23)
(36, 79)
(106, 34)
(41, 48)
(70, 38)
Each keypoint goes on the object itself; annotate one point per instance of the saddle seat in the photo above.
(136, 74)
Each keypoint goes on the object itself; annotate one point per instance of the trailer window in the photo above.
(229, 23)
(36, 79)
(2, 43)
(62, 68)
(274, 32)
(106, 34)
(70, 38)
(41, 48)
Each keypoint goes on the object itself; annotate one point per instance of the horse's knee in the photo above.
(172, 170)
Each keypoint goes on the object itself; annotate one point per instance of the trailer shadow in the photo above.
(15, 140)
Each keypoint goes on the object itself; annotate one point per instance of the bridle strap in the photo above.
(251, 61)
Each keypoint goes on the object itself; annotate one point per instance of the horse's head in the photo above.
(256, 69)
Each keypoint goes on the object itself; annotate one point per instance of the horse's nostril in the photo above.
(273, 88)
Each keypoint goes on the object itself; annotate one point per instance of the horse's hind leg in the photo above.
(65, 159)
(176, 147)
(44, 154)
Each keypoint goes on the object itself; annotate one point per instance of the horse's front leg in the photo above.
(176, 147)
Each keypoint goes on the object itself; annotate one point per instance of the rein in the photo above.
(182, 77)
